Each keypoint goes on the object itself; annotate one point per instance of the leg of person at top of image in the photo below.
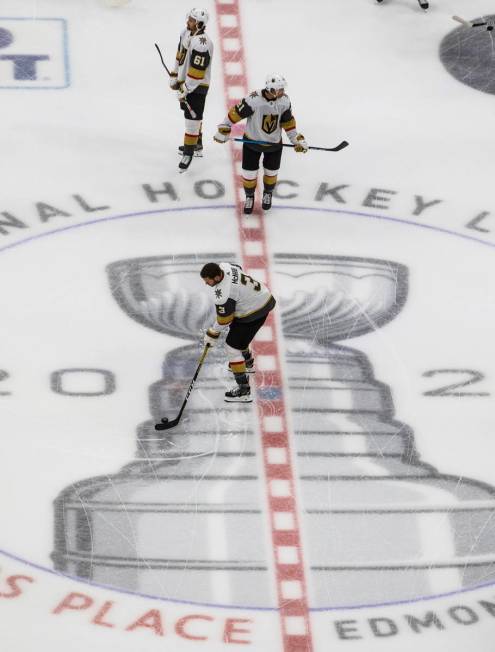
(250, 167)
(422, 3)
(271, 166)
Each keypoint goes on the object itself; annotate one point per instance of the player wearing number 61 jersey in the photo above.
(191, 79)
(242, 305)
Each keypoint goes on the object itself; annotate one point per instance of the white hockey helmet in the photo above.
(274, 83)
(199, 15)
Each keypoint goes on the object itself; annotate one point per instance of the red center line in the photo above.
(277, 457)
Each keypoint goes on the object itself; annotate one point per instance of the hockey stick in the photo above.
(466, 23)
(462, 21)
(340, 146)
(193, 114)
(165, 423)
(163, 62)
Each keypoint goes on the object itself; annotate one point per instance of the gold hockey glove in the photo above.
(172, 82)
(211, 337)
(300, 144)
(223, 133)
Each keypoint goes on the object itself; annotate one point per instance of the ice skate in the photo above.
(239, 394)
(185, 162)
(266, 202)
(248, 205)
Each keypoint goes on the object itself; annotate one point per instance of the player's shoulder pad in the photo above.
(200, 43)
(221, 292)
(285, 101)
(254, 98)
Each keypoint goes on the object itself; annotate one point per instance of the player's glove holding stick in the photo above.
(211, 337)
(172, 82)
(300, 144)
(223, 133)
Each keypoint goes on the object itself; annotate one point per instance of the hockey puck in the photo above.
(164, 420)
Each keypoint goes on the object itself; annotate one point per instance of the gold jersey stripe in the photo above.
(194, 73)
(234, 115)
(290, 124)
(225, 320)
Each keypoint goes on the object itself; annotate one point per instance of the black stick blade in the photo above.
(166, 424)
(337, 148)
(343, 144)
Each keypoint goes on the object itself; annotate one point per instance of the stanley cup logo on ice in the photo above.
(187, 519)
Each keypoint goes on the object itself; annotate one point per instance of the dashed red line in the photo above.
(277, 458)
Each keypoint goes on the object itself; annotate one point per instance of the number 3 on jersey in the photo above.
(256, 285)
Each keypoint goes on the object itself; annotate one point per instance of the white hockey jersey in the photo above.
(265, 118)
(193, 61)
(240, 297)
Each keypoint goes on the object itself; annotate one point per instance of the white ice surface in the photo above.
(370, 74)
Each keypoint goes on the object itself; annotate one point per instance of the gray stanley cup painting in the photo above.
(186, 519)
(247, 326)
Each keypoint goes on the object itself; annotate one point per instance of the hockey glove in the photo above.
(223, 133)
(300, 144)
(172, 82)
(211, 337)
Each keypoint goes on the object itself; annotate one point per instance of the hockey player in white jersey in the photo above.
(268, 111)
(242, 305)
(191, 79)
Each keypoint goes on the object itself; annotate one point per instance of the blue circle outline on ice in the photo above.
(358, 214)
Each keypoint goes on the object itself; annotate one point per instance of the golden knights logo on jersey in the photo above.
(269, 123)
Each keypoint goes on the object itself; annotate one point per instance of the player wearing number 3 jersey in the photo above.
(242, 306)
